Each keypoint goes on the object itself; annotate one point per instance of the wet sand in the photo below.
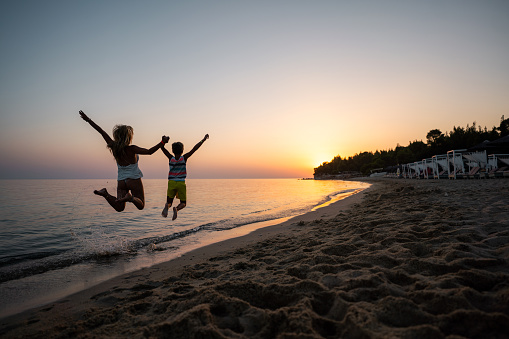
(404, 259)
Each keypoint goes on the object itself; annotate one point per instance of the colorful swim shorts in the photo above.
(178, 189)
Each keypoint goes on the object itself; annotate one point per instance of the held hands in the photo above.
(165, 139)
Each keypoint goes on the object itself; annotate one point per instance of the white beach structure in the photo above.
(477, 162)
(409, 170)
(439, 163)
(427, 167)
(413, 170)
(503, 159)
(496, 164)
(456, 166)
(404, 171)
(492, 162)
(420, 165)
(416, 170)
(416, 167)
(458, 163)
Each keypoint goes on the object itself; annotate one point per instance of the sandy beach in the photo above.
(402, 259)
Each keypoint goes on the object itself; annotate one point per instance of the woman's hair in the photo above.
(177, 148)
(122, 137)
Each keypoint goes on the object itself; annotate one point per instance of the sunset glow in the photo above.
(281, 87)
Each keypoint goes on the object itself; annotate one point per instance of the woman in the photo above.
(129, 185)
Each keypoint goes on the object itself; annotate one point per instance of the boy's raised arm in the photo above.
(165, 151)
(105, 135)
(195, 148)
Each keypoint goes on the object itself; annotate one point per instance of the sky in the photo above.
(280, 86)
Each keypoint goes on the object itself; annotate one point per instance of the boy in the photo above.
(177, 175)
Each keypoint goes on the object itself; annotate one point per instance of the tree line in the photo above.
(436, 143)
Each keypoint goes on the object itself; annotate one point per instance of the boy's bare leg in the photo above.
(169, 202)
(164, 213)
(178, 208)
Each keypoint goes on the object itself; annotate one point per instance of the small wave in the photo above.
(61, 260)
(33, 267)
(257, 212)
(11, 260)
(90, 249)
(95, 244)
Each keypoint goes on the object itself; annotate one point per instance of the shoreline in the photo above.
(400, 259)
(215, 239)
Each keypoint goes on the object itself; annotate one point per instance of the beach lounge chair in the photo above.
(502, 172)
(456, 165)
(427, 168)
(474, 173)
(439, 165)
(498, 165)
(477, 161)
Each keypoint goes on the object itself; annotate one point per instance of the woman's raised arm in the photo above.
(150, 151)
(105, 135)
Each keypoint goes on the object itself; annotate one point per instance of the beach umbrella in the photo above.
(500, 145)
(485, 145)
(504, 141)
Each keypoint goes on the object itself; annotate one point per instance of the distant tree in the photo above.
(457, 138)
(436, 142)
(404, 155)
(504, 127)
(419, 149)
(433, 136)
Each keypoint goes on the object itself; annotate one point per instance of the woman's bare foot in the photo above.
(126, 198)
(164, 213)
(102, 192)
(174, 213)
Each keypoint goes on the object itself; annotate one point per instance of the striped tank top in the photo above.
(178, 169)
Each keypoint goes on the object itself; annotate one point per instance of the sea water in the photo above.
(57, 237)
